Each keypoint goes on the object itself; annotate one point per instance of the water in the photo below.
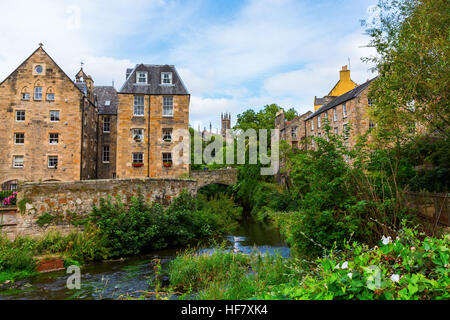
(130, 277)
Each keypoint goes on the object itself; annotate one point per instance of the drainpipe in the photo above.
(82, 137)
(148, 140)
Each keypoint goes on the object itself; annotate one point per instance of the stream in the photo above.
(130, 277)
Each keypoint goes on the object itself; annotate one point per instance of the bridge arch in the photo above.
(226, 177)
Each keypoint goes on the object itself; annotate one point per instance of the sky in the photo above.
(232, 55)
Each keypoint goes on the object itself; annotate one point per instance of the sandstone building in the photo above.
(58, 129)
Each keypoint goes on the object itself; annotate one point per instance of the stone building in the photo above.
(349, 109)
(107, 102)
(49, 124)
(293, 131)
(153, 104)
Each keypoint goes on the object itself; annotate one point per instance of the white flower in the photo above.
(386, 240)
(349, 275)
(413, 248)
(395, 278)
(344, 265)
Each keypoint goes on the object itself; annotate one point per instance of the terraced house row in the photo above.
(54, 128)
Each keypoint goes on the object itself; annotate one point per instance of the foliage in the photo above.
(8, 198)
(408, 268)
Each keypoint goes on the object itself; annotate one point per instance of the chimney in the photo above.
(345, 74)
(129, 70)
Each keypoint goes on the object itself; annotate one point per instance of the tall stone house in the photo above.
(58, 129)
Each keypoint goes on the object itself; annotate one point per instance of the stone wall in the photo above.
(432, 206)
(222, 176)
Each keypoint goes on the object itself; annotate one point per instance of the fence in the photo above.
(432, 206)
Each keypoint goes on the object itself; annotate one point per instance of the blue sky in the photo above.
(232, 55)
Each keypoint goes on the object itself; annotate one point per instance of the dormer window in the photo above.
(107, 103)
(166, 77)
(141, 77)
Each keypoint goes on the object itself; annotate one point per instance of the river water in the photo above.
(130, 277)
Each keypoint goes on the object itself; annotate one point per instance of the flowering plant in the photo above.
(9, 200)
(138, 164)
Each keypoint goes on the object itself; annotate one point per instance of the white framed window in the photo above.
(52, 162)
(334, 114)
(139, 106)
(370, 102)
(26, 96)
(138, 158)
(20, 115)
(141, 77)
(54, 115)
(106, 124)
(326, 115)
(166, 77)
(371, 124)
(107, 103)
(168, 106)
(18, 161)
(50, 97)
(105, 154)
(37, 93)
(19, 138)
(167, 159)
(54, 138)
(138, 135)
(294, 132)
(344, 110)
(318, 122)
(167, 134)
(336, 130)
(312, 124)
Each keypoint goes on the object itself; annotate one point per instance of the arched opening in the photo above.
(210, 190)
(11, 185)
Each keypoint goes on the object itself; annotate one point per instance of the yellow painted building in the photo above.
(344, 85)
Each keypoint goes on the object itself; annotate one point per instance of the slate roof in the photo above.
(341, 99)
(154, 85)
(103, 94)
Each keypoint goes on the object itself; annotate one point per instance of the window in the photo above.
(294, 132)
(25, 96)
(138, 135)
(37, 93)
(106, 124)
(370, 102)
(54, 138)
(344, 110)
(138, 158)
(105, 154)
(19, 138)
(167, 159)
(371, 124)
(20, 115)
(295, 145)
(167, 135)
(166, 77)
(107, 103)
(346, 133)
(326, 115)
(312, 124)
(319, 135)
(334, 114)
(312, 141)
(139, 106)
(53, 162)
(18, 161)
(168, 106)
(141, 77)
(38, 69)
(54, 115)
(318, 122)
(336, 130)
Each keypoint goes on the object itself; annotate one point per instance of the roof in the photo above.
(298, 118)
(342, 98)
(104, 94)
(153, 85)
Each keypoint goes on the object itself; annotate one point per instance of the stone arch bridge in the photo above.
(223, 176)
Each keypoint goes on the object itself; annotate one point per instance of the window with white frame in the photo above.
(370, 102)
(346, 133)
(166, 77)
(106, 124)
(167, 159)
(312, 124)
(334, 114)
(371, 124)
(18, 161)
(20, 115)
(25, 96)
(54, 138)
(141, 77)
(318, 121)
(167, 134)
(105, 154)
(138, 158)
(138, 135)
(139, 106)
(19, 138)
(54, 115)
(168, 106)
(294, 132)
(50, 97)
(37, 93)
(344, 110)
(53, 162)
